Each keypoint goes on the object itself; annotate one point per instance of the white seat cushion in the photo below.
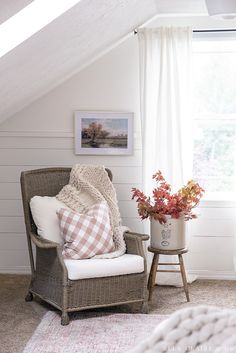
(91, 268)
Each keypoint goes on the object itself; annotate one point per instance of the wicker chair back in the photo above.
(43, 182)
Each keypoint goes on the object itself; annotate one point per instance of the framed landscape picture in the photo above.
(103, 133)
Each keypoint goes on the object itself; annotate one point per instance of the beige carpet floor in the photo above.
(19, 319)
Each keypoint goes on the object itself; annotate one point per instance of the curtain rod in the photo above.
(213, 30)
(206, 30)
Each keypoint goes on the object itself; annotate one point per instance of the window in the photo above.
(30, 20)
(214, 105)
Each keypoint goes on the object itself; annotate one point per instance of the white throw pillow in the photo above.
(43, 209)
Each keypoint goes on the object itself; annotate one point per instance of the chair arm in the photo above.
(43, 243)
(134, 243)
(53, 251)
(134, 235)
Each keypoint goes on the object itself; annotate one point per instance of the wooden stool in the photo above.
(155, 264)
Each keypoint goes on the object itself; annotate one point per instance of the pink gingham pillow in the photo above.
(86, 235)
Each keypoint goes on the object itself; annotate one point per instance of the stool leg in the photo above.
(184, 279)
(152, 275)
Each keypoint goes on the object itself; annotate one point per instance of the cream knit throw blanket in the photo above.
(89, 185)
(197, 329)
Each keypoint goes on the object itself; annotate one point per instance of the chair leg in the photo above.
(29, 297)
(144, 309)
(65, 318)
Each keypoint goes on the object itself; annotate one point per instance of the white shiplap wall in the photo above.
(22, 152)
(211, 237)
(212, 240)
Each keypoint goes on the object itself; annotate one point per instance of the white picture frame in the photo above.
(103, 133)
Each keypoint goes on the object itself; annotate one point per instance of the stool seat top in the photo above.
(168, 252)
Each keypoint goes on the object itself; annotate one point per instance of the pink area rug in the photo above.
(91, 333)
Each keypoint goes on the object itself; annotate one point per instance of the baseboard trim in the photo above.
(20, 270)
(217, 275)
(201, 274)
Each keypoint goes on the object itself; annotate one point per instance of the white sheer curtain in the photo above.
(165, 69)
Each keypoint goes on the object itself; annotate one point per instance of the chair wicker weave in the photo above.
(50, 280)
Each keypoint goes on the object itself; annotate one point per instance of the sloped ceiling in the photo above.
(70, 42)
(10, 8)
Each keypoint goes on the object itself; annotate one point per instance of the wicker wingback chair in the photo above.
(50, 280)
